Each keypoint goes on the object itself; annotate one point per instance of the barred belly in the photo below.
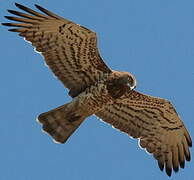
(93, 99)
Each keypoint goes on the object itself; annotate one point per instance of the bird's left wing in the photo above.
(70, 50)
(155, 122)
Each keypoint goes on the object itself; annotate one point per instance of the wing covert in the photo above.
(155, 122)
(69, 50)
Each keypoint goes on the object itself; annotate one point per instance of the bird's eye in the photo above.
(130, 80)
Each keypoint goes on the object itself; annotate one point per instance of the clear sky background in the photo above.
(153, 39)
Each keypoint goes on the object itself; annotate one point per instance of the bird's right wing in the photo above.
(70, 50)
(155, 122)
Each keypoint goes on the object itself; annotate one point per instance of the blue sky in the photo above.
(153, 39)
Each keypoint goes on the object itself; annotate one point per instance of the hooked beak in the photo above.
(133, 84)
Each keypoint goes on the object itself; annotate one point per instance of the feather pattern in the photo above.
(157, 125)
(69, 50)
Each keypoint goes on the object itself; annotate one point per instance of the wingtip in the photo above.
(12, 11)
(17, 4)
(161, 166)
(6, 24)
(182, 164)
(190, 143)
(188, 157)
(47, 12)
(13, 30)
(169, 174)
(176, 169)
(169, 171)
(20, 6)
(39, 7)
(9, 10)
(36, 5)
(9, 24)
(7, 17)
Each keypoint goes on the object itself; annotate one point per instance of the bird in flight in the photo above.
(71, 52)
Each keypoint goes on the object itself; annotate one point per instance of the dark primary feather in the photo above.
(47, 12)
(23, 15)
(69, 50)
(30, 10)
(157, 125)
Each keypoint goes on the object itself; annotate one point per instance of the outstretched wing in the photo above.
(69, 50)
(155, 122)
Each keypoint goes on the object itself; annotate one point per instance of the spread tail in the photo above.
(60, 123)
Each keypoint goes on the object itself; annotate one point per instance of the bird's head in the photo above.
(125, 78)
(129, 80)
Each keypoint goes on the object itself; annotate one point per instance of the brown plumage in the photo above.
(70, 51)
